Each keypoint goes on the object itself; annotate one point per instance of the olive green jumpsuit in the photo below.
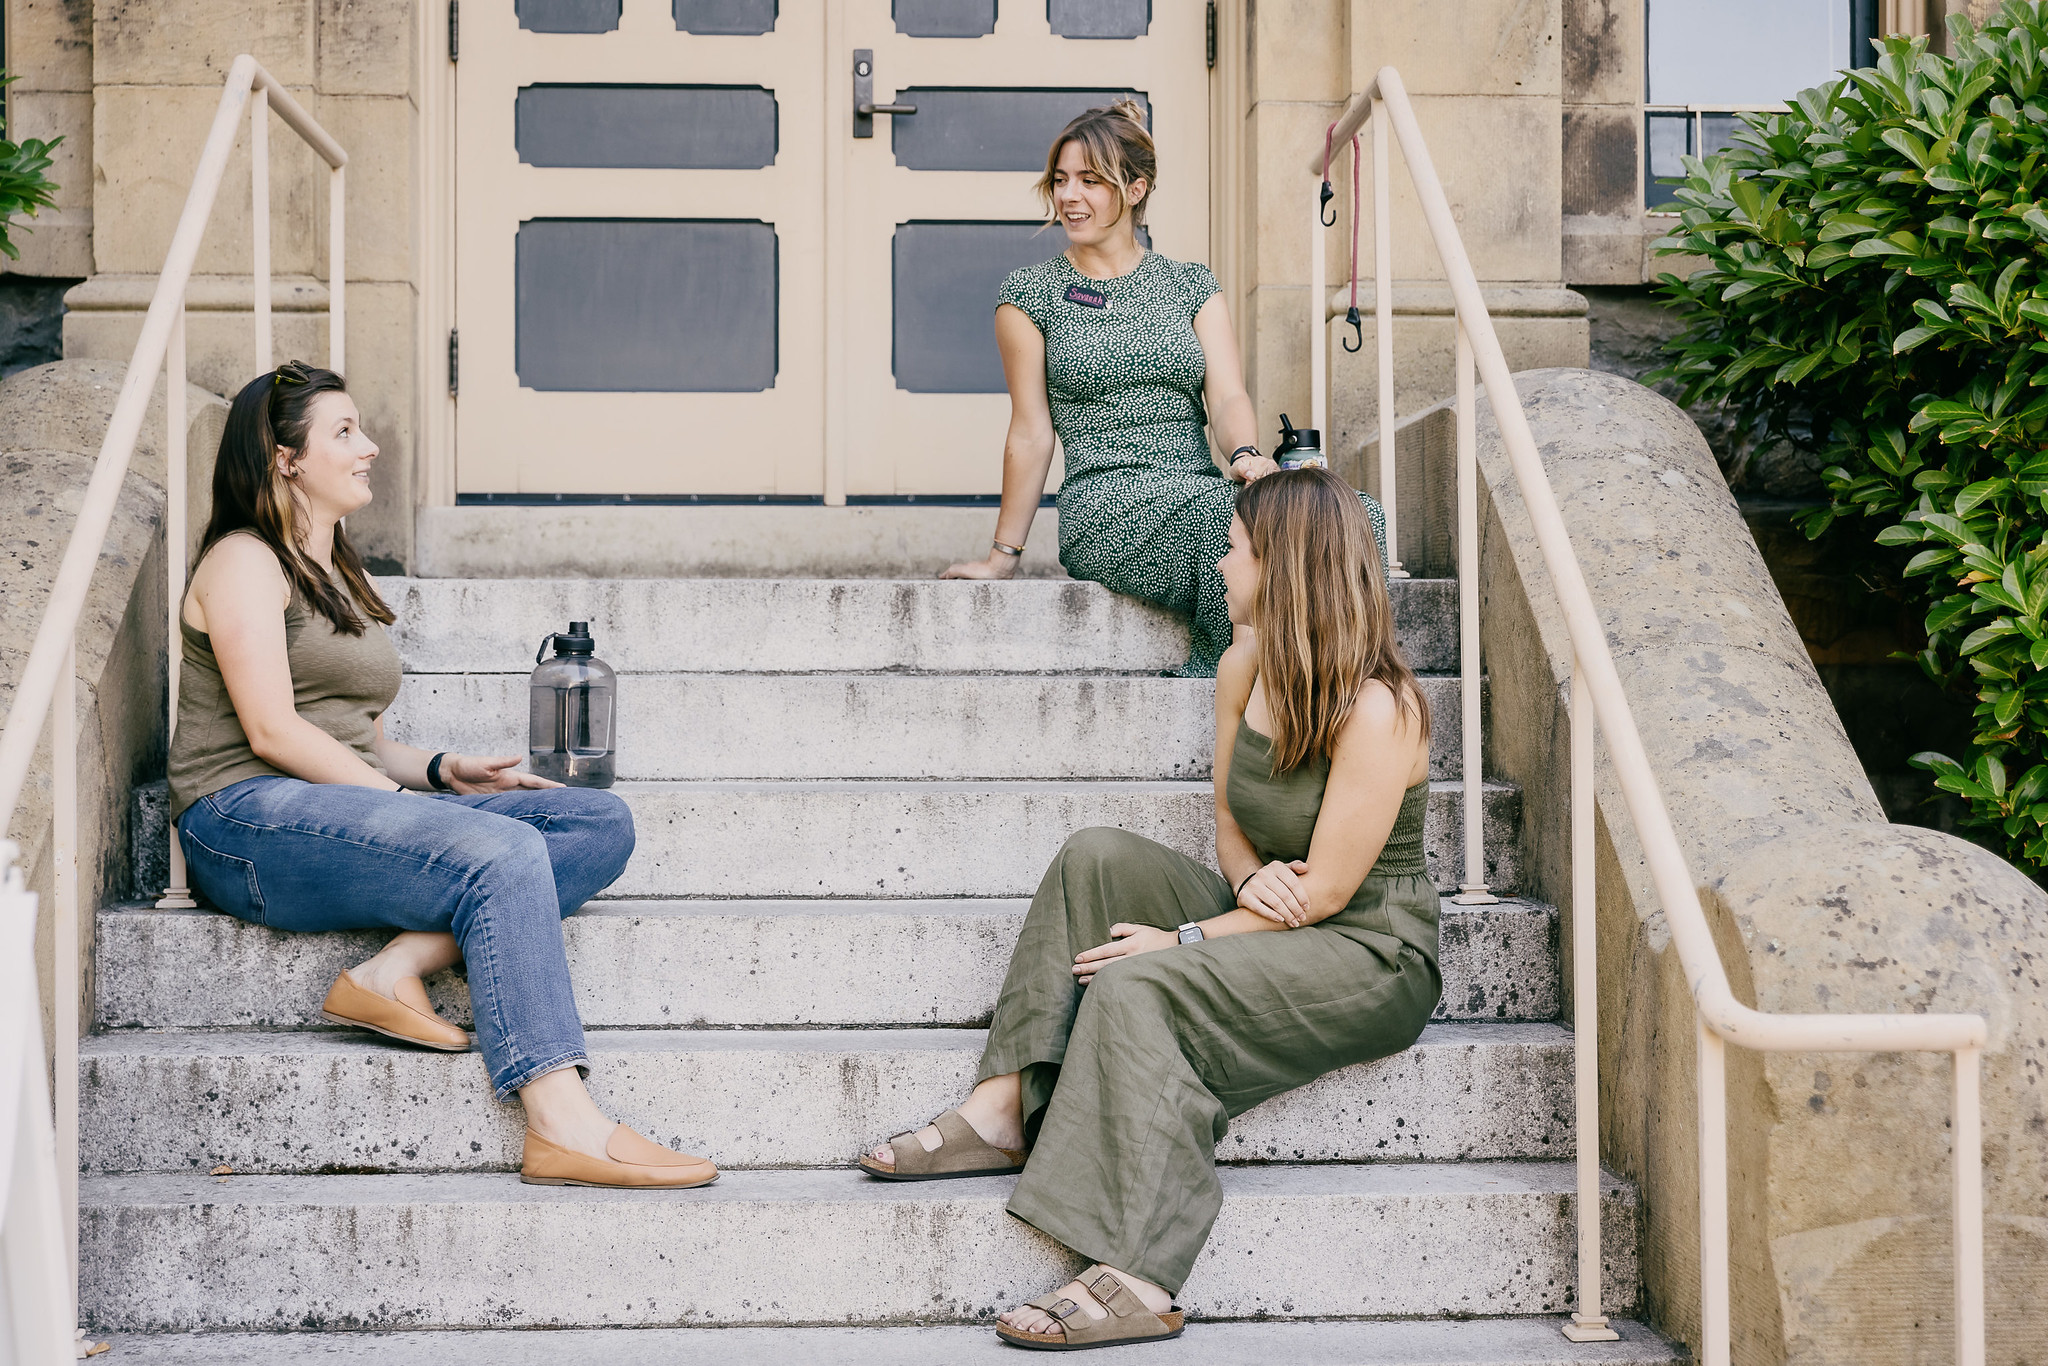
(1130, 1082)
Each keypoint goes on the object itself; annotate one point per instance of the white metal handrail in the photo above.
(48, 686)
(1598, 702)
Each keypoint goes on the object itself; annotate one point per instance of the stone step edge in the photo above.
(682, 907)
(245, 1042)
(812, 1185)
(1521, 1341)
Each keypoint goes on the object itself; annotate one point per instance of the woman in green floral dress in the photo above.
(1126, 356)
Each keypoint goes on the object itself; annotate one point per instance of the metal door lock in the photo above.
(864, 106)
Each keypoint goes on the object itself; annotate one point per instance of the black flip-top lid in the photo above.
(575, 641)
(1293, 438)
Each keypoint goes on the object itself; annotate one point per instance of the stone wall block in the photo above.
(1508, 219)
(58, 240)
(1283, 137)
(377, 131)
(1476, 47)
(146, 149)
(1278, 375)
(193, 42)
(1425, 366)
(381, 348)
(1603, 51)
(49, 45)
(1298, 50)
(219, 354)
(366, 47)
(1838, 1163)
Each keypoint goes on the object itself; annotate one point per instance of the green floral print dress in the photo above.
(1143, 510)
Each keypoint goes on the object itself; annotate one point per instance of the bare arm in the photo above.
(1381, 752)
(1027, 450)
(1232, 419)
(466, 773)
(238, 598)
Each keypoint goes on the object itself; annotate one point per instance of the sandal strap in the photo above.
(1125, 1322)
(1118, 1299)
(960, 1149)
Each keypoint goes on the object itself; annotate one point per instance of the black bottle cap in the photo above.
(574, 641)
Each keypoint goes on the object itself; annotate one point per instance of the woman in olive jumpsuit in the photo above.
(1151, 999)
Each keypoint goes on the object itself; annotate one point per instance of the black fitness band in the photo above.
(434, 773)
(1242, 451)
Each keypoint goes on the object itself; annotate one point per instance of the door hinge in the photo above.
(1212, 33)
(454, 363)
(455, 31)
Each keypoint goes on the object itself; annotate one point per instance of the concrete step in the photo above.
(701, 726)
(694, 963)
(350, 1101)
(1357, 1342)
(652, 625)
(934, 839)
(178, 1252)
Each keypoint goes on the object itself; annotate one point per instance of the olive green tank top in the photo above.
(340, 683)
(1277, 812)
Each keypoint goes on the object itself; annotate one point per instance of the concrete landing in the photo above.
(1357, 1342)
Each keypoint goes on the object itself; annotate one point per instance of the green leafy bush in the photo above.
(1877, 285)
(23, 187)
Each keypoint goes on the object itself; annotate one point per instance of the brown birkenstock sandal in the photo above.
(1128, 1320)
(961, 1152)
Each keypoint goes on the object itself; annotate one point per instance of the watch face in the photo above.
(1191, 934)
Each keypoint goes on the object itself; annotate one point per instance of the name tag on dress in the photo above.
(1087, 298)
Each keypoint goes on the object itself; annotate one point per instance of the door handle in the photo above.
(864, 106)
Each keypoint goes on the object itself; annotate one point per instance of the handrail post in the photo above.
(1318, 321)
(1472, 889)
(1712, 1069)
(64, 945)
(1587, 1323)
(259, 192)
(178, 895)
(1969, 1209)
(337, 269)
(1383, 327)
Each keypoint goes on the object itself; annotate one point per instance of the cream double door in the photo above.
(687, 266)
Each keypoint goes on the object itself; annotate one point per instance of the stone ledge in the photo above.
(120, 292)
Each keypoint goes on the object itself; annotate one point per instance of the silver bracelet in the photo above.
(1013, 551)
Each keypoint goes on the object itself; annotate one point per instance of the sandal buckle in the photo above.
(1064, 1310)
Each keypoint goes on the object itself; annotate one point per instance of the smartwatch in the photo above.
(1191, 933)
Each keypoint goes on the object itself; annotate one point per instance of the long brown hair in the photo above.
(1118, 151)
(1325, 624)
(274, 412)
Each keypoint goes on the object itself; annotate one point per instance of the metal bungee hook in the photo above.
(1329, 214)
(1357, 331)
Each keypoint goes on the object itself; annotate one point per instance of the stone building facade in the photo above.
(1534, 110)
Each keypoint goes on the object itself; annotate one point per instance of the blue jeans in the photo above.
(498, 872)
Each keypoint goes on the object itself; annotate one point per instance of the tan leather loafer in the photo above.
(411, 1017)
(630, 1161)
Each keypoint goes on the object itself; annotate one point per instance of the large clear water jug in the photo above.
(573, 699)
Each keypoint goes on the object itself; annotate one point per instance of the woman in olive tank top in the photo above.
(1150, 999)
(295, 811)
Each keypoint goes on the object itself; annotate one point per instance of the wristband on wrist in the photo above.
(1247, 878)
(1013, 551)
(434, 773)
(1242, 451)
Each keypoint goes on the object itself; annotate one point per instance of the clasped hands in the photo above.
(1274, 891)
